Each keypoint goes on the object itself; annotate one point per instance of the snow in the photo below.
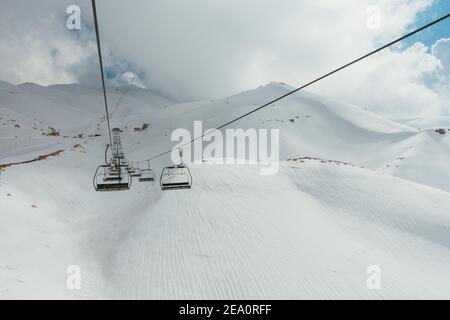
(427, 122)
(310, 231)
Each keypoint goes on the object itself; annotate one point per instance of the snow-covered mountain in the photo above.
(354, 190)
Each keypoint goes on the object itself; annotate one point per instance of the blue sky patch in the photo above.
(439, 31)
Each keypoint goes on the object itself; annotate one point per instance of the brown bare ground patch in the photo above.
(304, 159)
(143, 128)
(40, 158)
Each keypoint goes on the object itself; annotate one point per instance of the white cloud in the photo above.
(36, 46)
(441, 50)
(395, 83)
(200, 49)
(129, 78)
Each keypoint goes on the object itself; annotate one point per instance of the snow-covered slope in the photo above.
(313, 126)
(427, 122)
(310, 231)
(73, 108)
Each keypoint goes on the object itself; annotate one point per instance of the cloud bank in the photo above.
(200, 49)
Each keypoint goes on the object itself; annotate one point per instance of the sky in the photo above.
(207, 49)
(429, 37)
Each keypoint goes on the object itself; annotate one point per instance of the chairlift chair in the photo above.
(135, 172)
(111, 176)
(105, 180)
(176, 177)
(147, 175)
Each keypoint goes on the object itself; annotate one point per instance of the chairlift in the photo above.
(147, 175)
(111, 177)
(176, 177)
(105, 180)
(131, 170)
(135, 172)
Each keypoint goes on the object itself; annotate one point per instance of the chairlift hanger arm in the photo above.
(106, 154)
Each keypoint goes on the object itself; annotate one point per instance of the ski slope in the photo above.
(310, 231)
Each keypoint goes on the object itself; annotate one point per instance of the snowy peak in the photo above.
(310, 125)
(5, 85)
(74, 108)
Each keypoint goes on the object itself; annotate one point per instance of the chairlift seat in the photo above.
(147, 178)
(176, 185)
(112, 178)
(176, 178)
(112, 187)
